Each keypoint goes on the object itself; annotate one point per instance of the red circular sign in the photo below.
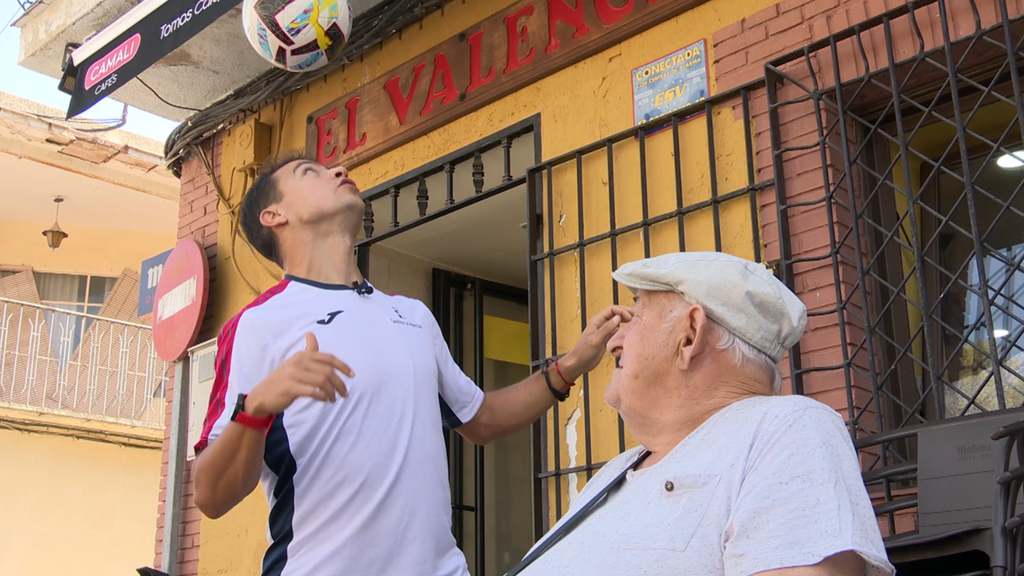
(180, 300)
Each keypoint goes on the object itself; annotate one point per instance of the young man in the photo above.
(327, 392)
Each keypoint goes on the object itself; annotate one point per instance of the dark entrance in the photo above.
(486, 326)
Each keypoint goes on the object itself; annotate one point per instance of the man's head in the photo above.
(296, 194)
(700, 315)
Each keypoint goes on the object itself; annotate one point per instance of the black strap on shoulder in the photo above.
(576, 518)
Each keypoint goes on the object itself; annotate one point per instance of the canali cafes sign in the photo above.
(131, 44)
(488, 61)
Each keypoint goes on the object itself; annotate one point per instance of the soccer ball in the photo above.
(297, 35)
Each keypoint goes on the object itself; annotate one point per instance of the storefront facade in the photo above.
(506, 176)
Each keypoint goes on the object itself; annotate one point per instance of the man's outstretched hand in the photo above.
(591, 348)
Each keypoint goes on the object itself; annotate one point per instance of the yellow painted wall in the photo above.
(98, 251)
(578, 105)
(75, 505)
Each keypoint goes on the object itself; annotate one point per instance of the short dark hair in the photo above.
(263, 193)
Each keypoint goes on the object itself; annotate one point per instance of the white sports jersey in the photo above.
(359, 486)
(764, 484)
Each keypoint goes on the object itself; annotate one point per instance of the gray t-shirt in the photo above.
(764, 484)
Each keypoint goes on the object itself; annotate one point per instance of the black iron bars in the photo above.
(545, 255)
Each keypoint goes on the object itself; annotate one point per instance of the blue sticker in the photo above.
(670, 83)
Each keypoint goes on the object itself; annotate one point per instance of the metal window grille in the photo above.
(662, 187)
(885, 144)
(901, 136)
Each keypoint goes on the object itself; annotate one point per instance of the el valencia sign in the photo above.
(486, 62)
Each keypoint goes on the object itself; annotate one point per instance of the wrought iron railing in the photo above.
(654, 189)
(451, 183)
(68, 363)
(912, 123)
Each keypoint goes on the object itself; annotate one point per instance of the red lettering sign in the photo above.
(353, 114)
(517, 37)
(400, 101)
(559, 11)
(448, 94)
(476, 81)
(486, 62)
(325, 137)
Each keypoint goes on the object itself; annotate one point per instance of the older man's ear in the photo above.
(692, 333)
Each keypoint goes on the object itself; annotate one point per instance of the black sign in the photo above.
(156, 35)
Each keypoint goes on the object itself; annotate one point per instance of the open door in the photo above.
(486, 326)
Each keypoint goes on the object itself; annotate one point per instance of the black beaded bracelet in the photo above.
(560, 396)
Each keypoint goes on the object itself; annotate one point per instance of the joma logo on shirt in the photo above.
(330, 318)
(401, 320)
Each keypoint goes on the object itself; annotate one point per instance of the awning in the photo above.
(133, 43)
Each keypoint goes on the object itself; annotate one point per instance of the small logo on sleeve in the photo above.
(330, 318)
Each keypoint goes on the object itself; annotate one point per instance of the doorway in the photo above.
(486, 325)
(454, 234)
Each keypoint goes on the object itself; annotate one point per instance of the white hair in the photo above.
(742, 352)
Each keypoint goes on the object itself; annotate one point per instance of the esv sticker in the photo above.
(110, 63)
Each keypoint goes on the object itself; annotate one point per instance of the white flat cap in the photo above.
(742, 296)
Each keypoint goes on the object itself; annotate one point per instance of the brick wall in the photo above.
(197, 219)
(741, 51)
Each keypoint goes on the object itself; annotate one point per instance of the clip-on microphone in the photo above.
(362, 288)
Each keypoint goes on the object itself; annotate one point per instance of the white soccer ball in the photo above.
(297, 35)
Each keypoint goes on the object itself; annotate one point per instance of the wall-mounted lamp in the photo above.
(54, 236)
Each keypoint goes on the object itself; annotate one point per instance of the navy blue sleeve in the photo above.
(451, 421)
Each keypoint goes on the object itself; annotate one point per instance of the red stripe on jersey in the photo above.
(225, 342)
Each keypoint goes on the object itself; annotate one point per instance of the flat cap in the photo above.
(742, 296)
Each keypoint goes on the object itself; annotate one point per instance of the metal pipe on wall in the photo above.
(478, 350)
(175, 467)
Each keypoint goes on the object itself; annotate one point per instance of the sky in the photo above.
(43, 89)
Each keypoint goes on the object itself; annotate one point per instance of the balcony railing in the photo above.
(73, 364)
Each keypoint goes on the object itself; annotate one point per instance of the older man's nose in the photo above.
(614, 346)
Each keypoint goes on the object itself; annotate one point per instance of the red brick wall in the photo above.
(741, 51)
(198, 219)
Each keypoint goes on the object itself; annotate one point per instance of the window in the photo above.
(966, 279)
(81, 294)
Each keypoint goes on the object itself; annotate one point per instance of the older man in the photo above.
(729, 479)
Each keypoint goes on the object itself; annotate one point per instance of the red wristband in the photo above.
(248, 420)
(559, 370)
(255, 423)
